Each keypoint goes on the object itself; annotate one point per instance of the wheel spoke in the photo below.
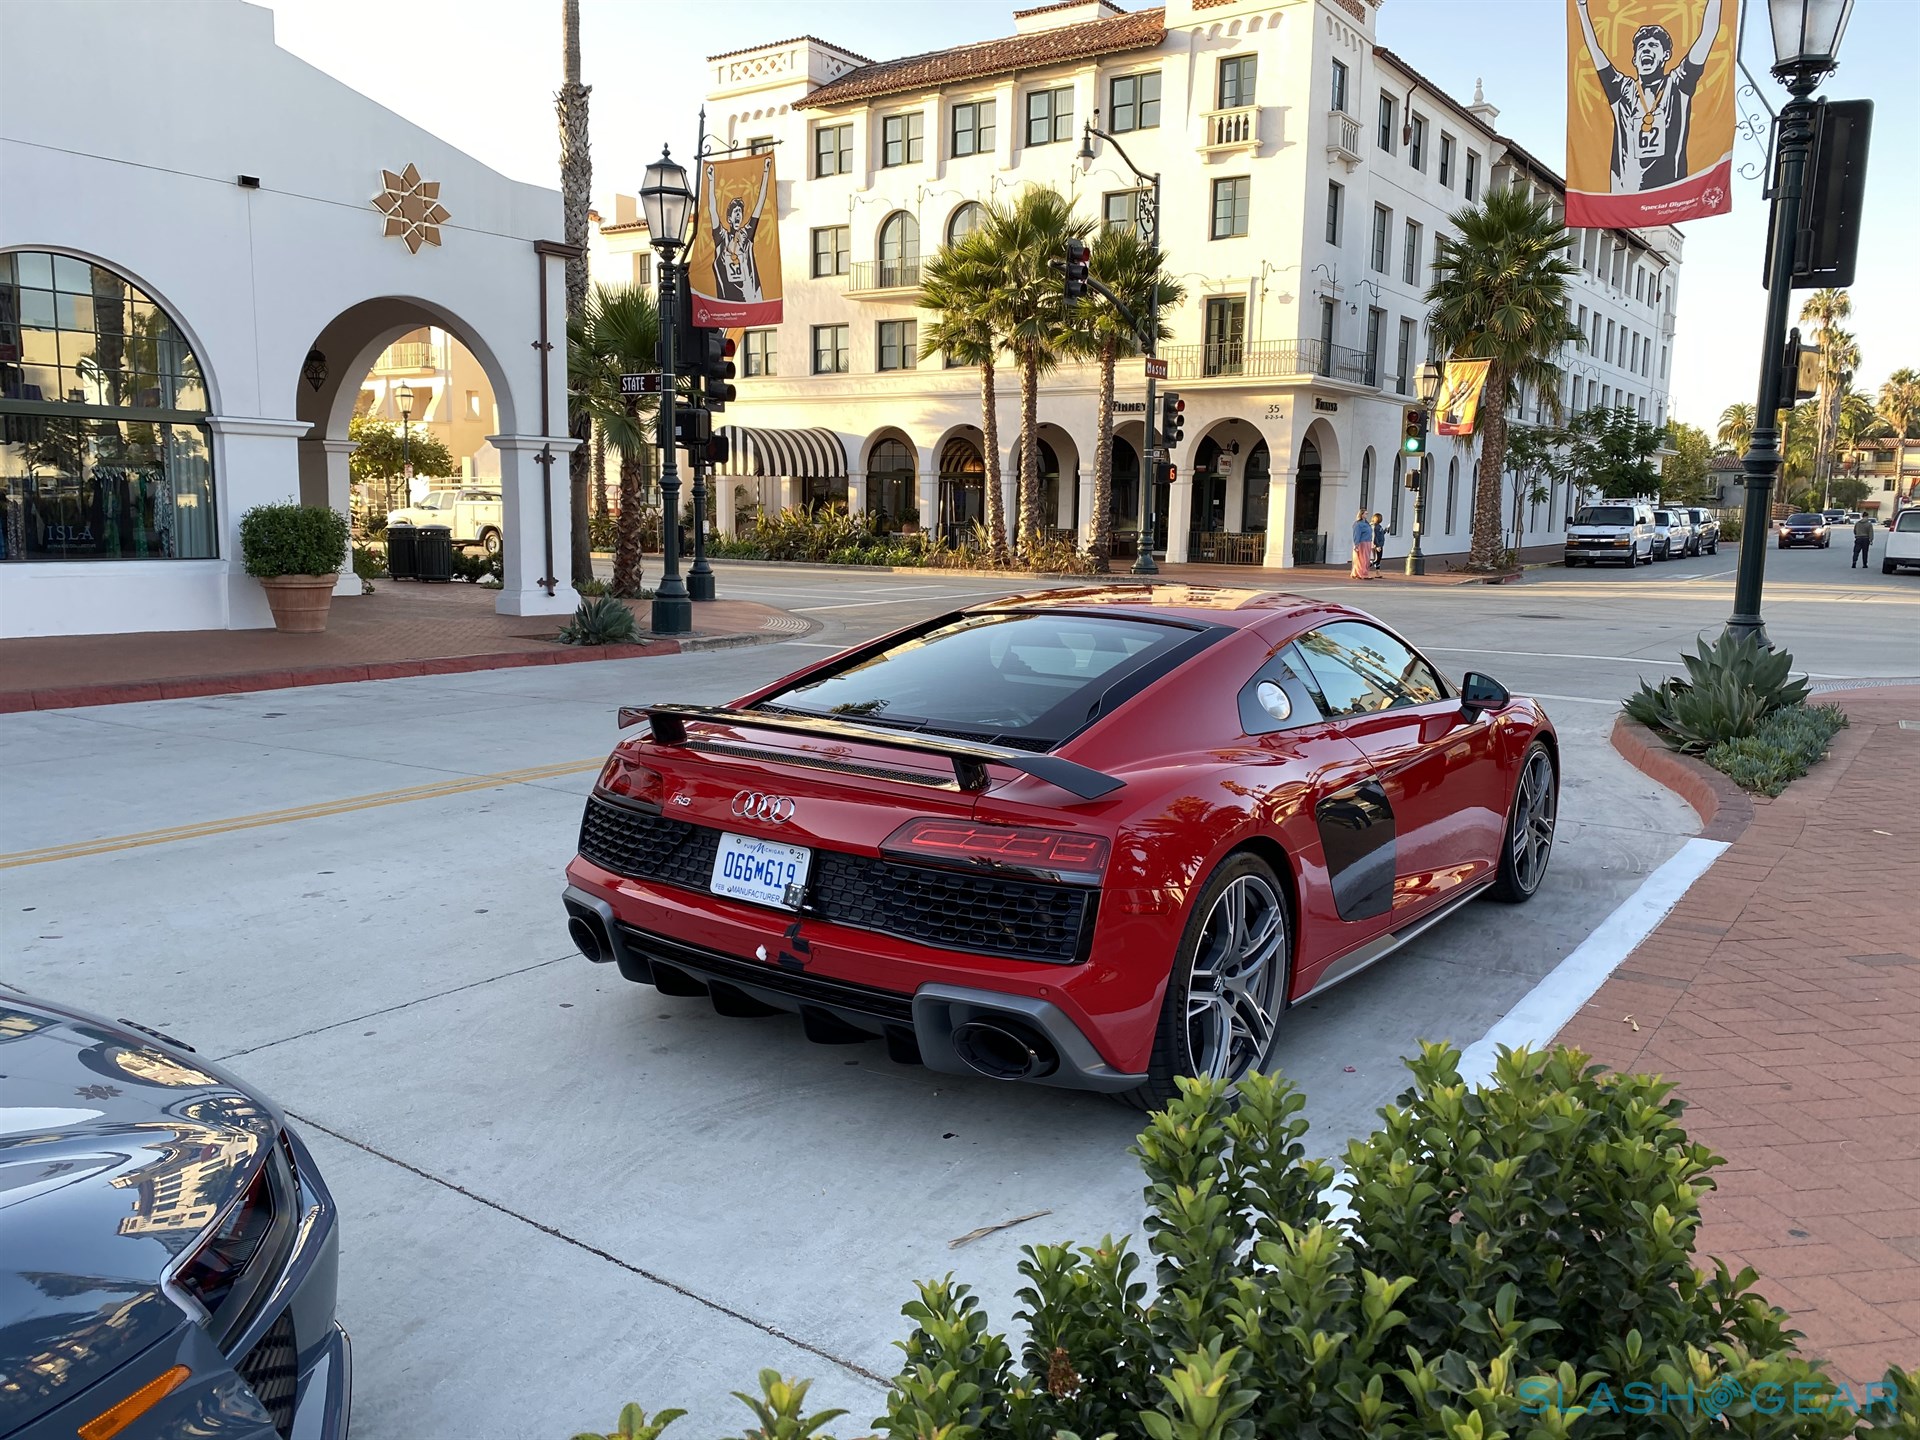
(1234, 989)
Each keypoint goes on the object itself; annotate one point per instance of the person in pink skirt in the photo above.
(1362, 547)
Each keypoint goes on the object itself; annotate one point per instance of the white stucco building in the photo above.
(1307, 174)
(191, 294)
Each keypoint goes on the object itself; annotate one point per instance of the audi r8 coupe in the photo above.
(167, 1249)
(1098, 837)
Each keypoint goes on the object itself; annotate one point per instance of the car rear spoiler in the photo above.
(970, 758)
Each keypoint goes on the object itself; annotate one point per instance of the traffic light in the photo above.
(1173, 418)
(1414, 439)
(719, 450)
(1076, 270)
(712, 368)
(692, 428)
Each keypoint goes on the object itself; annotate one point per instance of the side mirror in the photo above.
(1481, 692)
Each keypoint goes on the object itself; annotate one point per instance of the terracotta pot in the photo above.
(300, 602)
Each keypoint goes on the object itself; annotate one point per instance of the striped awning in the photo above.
(812, 454)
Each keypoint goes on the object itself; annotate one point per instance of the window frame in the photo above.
(1286, 669)
(1242, 212)
(842, 352)
(983, 127)
(1447, 147)
(1385, 137)
(842, 149)
(768, 352)
(1470, 177)
(906, 343)
(1329, 630)
(1053, 117)
(1136, 105)
(1107, 220)
(1336, 211)
(1378, 250)
(910, 141)
(1338, 88)
(842, 252)
(1240, 67)
(1417, 141)
(954, 219)
(1410, 261)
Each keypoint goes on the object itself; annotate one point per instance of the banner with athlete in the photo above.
(733, 265)
(1649, 110)
(1458, 404)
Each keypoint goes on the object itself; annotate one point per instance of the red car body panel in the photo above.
(1196, 788)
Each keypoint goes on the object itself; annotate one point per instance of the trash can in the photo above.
(401, 540)
(433, 554)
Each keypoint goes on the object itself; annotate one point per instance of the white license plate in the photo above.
(763, 871)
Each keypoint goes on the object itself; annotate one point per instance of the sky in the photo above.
(481, 74)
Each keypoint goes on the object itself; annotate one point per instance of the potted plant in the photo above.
(295, 551)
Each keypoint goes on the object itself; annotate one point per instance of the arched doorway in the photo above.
(892, 498)
(899, 252)
(1309, 544)
(1059, 482)
(1209, 487)
(963, 489)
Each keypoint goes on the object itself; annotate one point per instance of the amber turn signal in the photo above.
(109, 1423)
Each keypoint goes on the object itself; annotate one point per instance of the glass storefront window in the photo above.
(103, 447)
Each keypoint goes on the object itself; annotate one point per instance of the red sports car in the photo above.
(1096, 837)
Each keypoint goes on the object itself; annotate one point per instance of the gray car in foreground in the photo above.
(168, 1253)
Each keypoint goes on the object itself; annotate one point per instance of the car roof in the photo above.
(1235, 606)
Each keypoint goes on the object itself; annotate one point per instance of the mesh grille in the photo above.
(983, 914)
(272, 1372)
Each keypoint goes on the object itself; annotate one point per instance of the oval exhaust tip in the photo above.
(586, 936)
(1003, 1051)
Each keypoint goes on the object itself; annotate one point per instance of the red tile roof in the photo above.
(1140, 30)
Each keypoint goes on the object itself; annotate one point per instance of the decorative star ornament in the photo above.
(412, 207)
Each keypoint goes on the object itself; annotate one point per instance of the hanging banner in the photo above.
(1458, 405)
(733, 265)
(1649, 110)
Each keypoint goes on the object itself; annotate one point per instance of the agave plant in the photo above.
(600, 621)
(1730, 687)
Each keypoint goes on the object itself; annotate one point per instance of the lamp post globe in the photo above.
(1806, 37)
(1429, 382)
(666, 202)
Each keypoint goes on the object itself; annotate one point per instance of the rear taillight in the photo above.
(223, 1257)
(622, 776)
(1066, 854)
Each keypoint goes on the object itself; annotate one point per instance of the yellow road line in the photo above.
(315, 811)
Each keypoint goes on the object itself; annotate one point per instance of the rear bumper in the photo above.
(918, 1025)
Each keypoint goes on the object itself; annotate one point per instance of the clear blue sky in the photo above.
(481, 74)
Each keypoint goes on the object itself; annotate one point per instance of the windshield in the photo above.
(1034, 678)
(1605, 515)
(1806, 520)
(1663, 517)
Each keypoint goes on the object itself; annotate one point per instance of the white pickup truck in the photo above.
(474, 516)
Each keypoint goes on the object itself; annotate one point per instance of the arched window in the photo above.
(967, 219)
(892, 496)
(1366, 480)
(1453, 489)
(899, 250)
(103, 450)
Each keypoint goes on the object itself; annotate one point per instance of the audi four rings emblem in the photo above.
(753, 805)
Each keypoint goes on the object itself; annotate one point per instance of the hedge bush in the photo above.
(292, 539)
(837, 538)
(1517, 1262)
(1782, 747)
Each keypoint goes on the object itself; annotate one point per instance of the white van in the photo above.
(1903, 542)
(1620, 531)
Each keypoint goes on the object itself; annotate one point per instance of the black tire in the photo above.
(490, 541)
(1887, 567)
(1174, 1050)
(1536, 806)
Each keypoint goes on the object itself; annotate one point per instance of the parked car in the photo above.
(1834, 517)
(170, 1250)
(1619, 530)
(1903, 542)
(1805, 529)
(1706, 531)
(1097, 837)
(474, 516)
(1673, 534)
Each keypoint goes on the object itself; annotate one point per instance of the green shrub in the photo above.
(1731, 527)
(600, 532)
(1730, 687)
(1516, 1257)
(368, 564)
(475, 568)
(292, 539)
(601, 620)
(593, 587)
(1782, 748)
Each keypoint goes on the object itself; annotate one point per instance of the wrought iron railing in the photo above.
(1309, 548)
(410, 355)
(1265, 360)
(1226, 547)
(884, 274)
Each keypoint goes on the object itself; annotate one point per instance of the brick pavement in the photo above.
(400, 629)
(1782, 996)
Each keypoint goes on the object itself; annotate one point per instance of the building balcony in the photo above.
(1269, 360)
(1343, 138)
(1230, 130)
(883, 279)
(410, 355)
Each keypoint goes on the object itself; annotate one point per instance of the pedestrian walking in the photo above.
(1379, 543)
(1862, 542)
(1362, 547)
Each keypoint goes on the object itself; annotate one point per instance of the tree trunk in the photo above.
(626, 533)
(599, 473)
(1029, 485)
(994, 509)
(1486, 552)
(1100, 524)
(576, 189)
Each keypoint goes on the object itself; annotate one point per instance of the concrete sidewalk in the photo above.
(401, 629)
(1782, 996)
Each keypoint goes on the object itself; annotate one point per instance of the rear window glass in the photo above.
(1908, 522)
(1035, 678)
(1663, 517)
(1605, 515)
(1806, 520)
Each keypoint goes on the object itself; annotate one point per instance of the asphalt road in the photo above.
(561, 1191)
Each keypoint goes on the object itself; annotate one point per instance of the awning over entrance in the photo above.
(812, 454)
(960, 456)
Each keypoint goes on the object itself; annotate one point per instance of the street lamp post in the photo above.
(1429, 383)
(668, 206)
(1806, 38)
(1149, 205)
(403, 397)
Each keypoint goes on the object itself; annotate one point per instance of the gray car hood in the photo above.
(116, 1153)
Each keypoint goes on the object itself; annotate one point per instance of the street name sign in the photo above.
(647, 382)
(1156, 368)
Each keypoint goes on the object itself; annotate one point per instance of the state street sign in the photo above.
(647, 382)
(1156, 369)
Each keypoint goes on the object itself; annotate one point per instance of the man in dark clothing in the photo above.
(1379, 540)
(1862, 542)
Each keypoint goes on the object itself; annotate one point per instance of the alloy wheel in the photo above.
(1234, 995)
(1530, 832)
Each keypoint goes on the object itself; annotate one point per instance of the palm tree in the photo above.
(958, 285)
(1899, 404)
(1824, 310)
(576, 186)
(1736, 428)
(1029, 311)
(1499, 293)
(618, 333)
(1132, 272)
